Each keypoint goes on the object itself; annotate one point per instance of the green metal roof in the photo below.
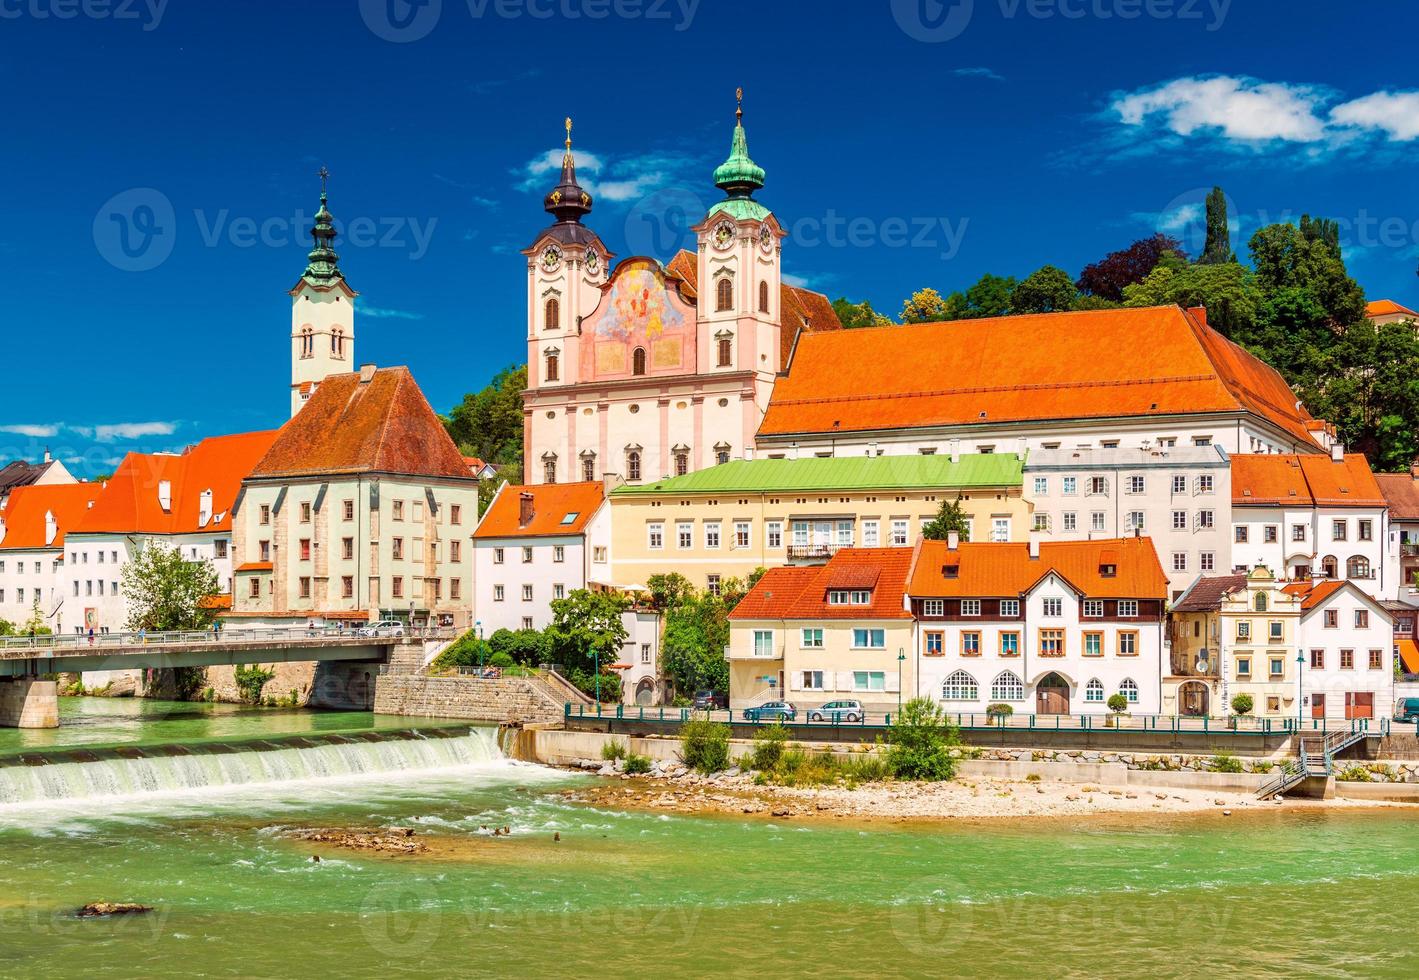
(741, 208)
(843, 473)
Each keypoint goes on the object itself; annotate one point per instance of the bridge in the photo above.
(26, 701)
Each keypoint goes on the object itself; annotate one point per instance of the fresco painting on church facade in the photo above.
(638, 310)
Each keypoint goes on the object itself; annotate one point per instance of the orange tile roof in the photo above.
(801, 592)
(25, 510)
(1304, 480)
(256, 566)
(215, 602)
(1401, 493)
(1388, 307)
(552, 504)
(383, 425)
(990, 569)
(1119, 363)
(685, 266)
(129, 503)
(1313, 593)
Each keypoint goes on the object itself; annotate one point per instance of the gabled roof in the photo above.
(25, 511)
(1207, 592)
(991, 569)
(1318, 593)
(351, 425)
(1401, 493)
(801, 592)
(842, 473)
(130, 501)
(1304, 480)
(1148, 362)
(558, 509)
(21, 474)
(1388, 307)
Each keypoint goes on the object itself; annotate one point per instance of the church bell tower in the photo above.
(322, 312)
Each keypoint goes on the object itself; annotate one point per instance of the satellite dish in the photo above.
(1201, 666)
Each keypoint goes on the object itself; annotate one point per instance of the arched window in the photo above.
(1328, 567)
(726, 351)
(724, 295)
(1007, 687)
(588, 467)
(633, 465)
(682, 463)
(1094, 690)
(1357, 567)
(553, 318)
(763, 297)
(1261, 602)
(638, 361)
(1129, 689)
(307, 341)
(960, 686)
(553, 366)
(337, 342)
(549, 469)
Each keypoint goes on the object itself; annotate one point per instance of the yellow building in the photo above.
(728, 520)
(1259, 624)
(840, 631)
(1193, 683)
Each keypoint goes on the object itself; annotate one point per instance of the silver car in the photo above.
(385, 627)
(838, 711)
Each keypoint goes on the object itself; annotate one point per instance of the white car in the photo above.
(384, 627)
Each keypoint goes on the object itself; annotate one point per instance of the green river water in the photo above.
(199, 837)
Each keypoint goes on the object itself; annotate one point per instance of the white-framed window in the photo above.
(655, 536)
(1009, 608)
(1207, 561)
(1093, 608)
(498, 594)
(527, 555)
(970, 607)
(1053, 607)
(712, 585)
(1096, 520)
(1179, 483)
(870, 534)
(1007, 686)
(1070, 520)
(899, 533)
(1041, 486)
(1098, 486)
(1070, 485)
(1135, 520)
(812, 638)
(763, 643)
(712, 534)
(869, 680)
(1206, 520)
(559, 553)
(498, 556)
(1000, 529)
(559, 590)
(1179, 520)
(1136, 484)
(1204, 482)
(933, 607)
(1128, 608)
(773, 534)
(1129, 689)
(527, 622)
(1041, 522)
(1179, 561)
(960, 686)
(598, 554)
(645, 653)
(811, 680)
(1094, 691)
(527, 592)
(742, 536)
(869, 639)
(684, 535)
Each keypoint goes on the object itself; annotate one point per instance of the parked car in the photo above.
(838, 711)
(771, 711)
(384, 627)
(1406, 709)
(709, 700)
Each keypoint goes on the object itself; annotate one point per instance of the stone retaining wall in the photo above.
(504, 699)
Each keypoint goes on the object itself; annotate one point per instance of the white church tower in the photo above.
(322, 313)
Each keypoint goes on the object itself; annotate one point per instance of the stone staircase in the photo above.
(1315, 759)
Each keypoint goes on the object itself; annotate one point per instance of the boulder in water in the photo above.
(97, 909)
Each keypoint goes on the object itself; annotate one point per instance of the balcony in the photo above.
(812, 552)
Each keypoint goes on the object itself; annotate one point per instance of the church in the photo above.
(645, 370)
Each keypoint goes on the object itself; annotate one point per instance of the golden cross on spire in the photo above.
(569, 134)
(739, 98)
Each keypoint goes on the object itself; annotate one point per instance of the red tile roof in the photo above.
(383, 425)
(25, 510)
(129, 503)
(1313, 593)
(256, 566)
(557, 509)
(1206, 594)
(1304, 480)
(990, 569)
(802, 592)
(1146, 362)
(1388, 307)
(1401, 492)
(1409, 655)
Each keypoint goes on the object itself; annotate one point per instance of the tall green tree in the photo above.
(584, 622)
(1229, 291)
(855, 315)
(488, 423)
(1047, 290)
(1218, 246)
(165, 590)
(1285, 257)
(950, 516)
(991, 295)
(924, 306)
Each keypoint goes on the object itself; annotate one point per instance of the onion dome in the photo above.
(324, 264)
(568, 201)
(739, 176)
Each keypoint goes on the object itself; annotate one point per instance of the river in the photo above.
(198, 835)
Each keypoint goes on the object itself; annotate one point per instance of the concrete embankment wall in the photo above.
(475, 699)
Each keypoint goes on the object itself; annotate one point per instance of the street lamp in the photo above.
(1300, 691)
(478, 628)
(901, 656)
(596, 665)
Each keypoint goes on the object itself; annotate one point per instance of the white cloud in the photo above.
(1179, 218)
(132, 430)
(1238, 109)
(1393, 113)
(385, 313)
(610, 179)
(32, 431)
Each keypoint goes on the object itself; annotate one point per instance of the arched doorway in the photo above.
(1052, 695)
(1194, 700)
(645, 692)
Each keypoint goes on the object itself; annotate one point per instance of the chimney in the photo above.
(1337, 452)
(165, 495)
(48, 458)
(2, 529)
(1034, 548)
(366, 373)
(204, 508)
(748, 453)
(524, 509)
(793, 450)
(955, 450)
(872, 450)
(953, 540)
(51, 528)
(1021, 448)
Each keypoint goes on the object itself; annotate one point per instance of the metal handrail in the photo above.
(76, 641)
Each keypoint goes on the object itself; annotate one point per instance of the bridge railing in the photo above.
(75, 642)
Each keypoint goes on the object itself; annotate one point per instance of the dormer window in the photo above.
(1108, 571)
(950, 571)
(849, 597)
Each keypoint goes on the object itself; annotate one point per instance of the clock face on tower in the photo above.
(724, 234)
(766, 238)
(551, 257)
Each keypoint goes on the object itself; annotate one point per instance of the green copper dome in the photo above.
(739, 176)
(324, 267)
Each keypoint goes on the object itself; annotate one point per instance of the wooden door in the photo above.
(1317, 705)
(1360, 704)
(1052, 696)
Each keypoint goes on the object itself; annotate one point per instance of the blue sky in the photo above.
(908, 143)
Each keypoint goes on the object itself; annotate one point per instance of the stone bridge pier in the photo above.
(27, 702)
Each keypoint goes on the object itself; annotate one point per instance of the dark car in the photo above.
(709, 700)
(771, 711)
(1406, 709)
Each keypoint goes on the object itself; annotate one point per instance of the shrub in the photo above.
(585, 682)
(1242, 704)
(704, 745)
(1117, 703)
(1033, 777)
(502, 660)
(998, 712)
(637, 765)
(768, 748)
(1355, 774)
(798, 766)
(250, 681)
(920, 742)
(1226, 762)
(611, 751)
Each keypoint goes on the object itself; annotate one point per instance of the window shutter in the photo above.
(844, 680)
(794, 680)
(893, 683)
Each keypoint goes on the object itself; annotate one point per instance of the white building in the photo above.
(1049, 628)
(34, 519)
(1347, 639)
(1306, 516)
(1180, 496)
